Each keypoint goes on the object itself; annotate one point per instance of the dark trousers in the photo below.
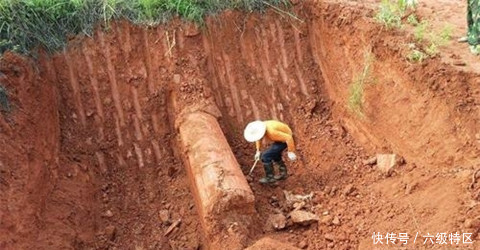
(274, 152)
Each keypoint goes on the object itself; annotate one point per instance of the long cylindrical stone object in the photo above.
(222, 194)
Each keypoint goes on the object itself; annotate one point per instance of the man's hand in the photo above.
(257, 155)
(292, 156)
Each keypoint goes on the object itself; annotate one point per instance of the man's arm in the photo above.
(290, 143)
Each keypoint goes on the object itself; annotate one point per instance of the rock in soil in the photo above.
(110, 232)
(370, 161)
(299, 205)
(277, 221)
(386, 162)
(327, 220)
(410, 187)
(165, 216)
(329, 237)
(303, 217)
(173, 226)
(303, 244)
(473, 223)
(336, 221)
(348, 189)
(108, 214)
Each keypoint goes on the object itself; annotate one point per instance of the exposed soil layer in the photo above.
(89, 154)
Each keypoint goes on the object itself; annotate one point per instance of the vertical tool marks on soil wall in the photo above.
(256, 78)
(138, 171)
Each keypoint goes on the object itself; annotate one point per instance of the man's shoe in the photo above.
(267, 180)
(269, 174)
(283, 171)
(281, 176)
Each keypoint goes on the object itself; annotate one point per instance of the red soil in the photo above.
(89, 154)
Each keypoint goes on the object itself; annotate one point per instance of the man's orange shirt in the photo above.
(279, 132)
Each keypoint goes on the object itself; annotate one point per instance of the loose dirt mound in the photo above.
(89, 156)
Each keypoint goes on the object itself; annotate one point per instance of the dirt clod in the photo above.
(327, 220)
(277, 221)
(329, 237)
(165, 216)
(370, 161)
(336, 221)
(176, 78)
(472, 223)
(110, 232)
(303, 244)
(108, 214)
(410, 187)
(348, 190)
(303, 217)
(386, 162)
(298, 205)
(269, 243)
(172, 227)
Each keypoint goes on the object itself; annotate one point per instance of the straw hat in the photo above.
(255, 131)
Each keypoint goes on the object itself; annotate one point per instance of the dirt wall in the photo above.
(427, 112)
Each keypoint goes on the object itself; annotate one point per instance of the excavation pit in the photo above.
(93, 151)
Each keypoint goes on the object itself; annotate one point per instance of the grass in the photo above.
(25, 24)
(412, 20)
(416, 55)
(391, 12)
(420, 30)
(356, 88)
(355, 99)
(432, 41)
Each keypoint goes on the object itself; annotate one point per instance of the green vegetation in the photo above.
(355, 98)
(423, 34)
(25, 24)
(412, 20)
(419, 30)
(391, 12)
(416, 55)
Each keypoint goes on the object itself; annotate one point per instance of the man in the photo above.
(281, 136)
(473, 21)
